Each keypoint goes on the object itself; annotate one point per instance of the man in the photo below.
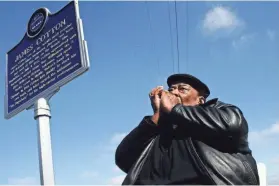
(188, 140)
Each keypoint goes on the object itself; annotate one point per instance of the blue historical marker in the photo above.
(52, 52)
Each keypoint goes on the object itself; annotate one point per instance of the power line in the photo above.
(173, 64)
(187, 34)
(152, 35)
(177, 38)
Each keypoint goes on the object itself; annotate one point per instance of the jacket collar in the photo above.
(211, 102)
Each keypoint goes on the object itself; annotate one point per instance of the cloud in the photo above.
(221, 18)
(110, 174)
(117, 138)
(23, 181)
(114, 141)
(89, 174)
(243, 40)
(271, 34)
(275, 160)
(116, 169)
(273, 179)
(262, 143)
(117, 180)
(264, 135)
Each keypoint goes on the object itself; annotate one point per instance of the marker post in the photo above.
(42, 115)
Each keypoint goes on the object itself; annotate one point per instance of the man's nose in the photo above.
(175, 92)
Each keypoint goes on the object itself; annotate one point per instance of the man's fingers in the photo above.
(158, 90)
(155, 91)
(164, 93)
(152, 93)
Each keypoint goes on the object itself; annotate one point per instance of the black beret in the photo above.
(191, 80)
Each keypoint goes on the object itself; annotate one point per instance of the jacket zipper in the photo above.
(252, 177)
(195, 154)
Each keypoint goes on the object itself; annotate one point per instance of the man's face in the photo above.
(188, 95)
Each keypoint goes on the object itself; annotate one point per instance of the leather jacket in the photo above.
(218, 144)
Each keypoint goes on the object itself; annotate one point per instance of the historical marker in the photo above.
(52, 52)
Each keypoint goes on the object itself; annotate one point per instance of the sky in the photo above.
(231, 46)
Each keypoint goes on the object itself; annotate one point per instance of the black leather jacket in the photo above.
(218, 144)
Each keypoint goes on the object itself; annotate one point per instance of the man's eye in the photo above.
(184, 89)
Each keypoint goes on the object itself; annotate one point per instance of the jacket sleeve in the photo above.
(226, 121)
(134, 143)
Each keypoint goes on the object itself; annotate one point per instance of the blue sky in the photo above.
(232, 46)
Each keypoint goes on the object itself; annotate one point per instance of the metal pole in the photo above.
(262, 173)
(42, 115)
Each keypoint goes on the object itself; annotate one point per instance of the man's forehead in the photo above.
(180, 84)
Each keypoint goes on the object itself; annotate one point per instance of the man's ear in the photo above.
(201, 100)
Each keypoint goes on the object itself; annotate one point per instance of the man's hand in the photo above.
(168, 101)
(154, 96)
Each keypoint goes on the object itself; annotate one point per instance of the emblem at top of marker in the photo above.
(37, 22)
